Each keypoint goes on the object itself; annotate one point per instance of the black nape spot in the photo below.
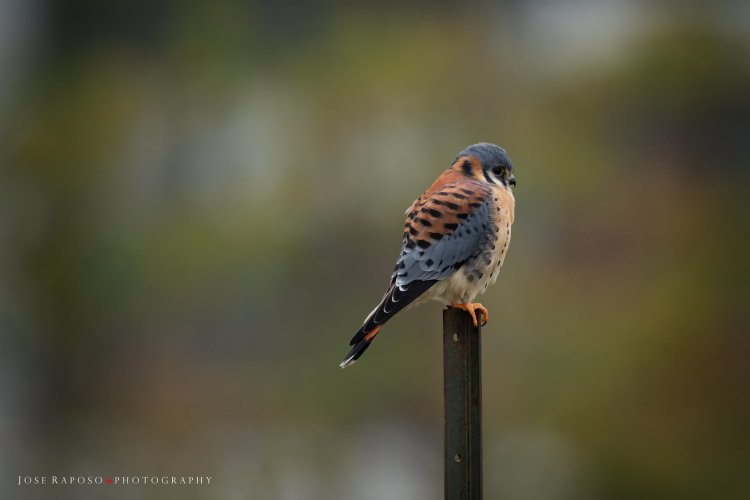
(450, 226)
(436, 236)
(430, 262)
(423, 243)
(467, 167)
(450, 205)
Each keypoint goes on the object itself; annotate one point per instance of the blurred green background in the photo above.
(200, 202)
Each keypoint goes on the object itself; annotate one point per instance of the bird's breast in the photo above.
(483, 267)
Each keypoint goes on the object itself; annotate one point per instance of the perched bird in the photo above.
(455, 240)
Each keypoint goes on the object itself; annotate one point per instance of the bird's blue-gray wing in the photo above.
(441, 234)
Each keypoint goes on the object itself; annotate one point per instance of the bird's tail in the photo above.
(359, 347)
(395, 299)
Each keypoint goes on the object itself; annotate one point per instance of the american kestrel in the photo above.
(455, 240)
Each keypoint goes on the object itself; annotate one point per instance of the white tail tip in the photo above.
(347, 362)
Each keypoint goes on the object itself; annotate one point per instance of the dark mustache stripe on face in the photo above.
(487, 176)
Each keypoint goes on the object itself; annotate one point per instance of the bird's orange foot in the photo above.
(471, 308)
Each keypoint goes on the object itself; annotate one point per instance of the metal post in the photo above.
(462, 372)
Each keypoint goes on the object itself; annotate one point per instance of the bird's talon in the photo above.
(471, 308)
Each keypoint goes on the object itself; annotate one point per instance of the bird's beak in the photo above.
(512, 180)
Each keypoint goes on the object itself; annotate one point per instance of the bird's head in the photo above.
(486, 162)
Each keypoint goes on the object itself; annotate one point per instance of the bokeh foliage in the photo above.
(201, 201)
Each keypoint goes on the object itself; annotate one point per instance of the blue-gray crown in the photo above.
(490, 155)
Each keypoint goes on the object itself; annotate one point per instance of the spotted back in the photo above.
(444, 227)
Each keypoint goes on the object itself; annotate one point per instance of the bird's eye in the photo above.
(500, 171)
